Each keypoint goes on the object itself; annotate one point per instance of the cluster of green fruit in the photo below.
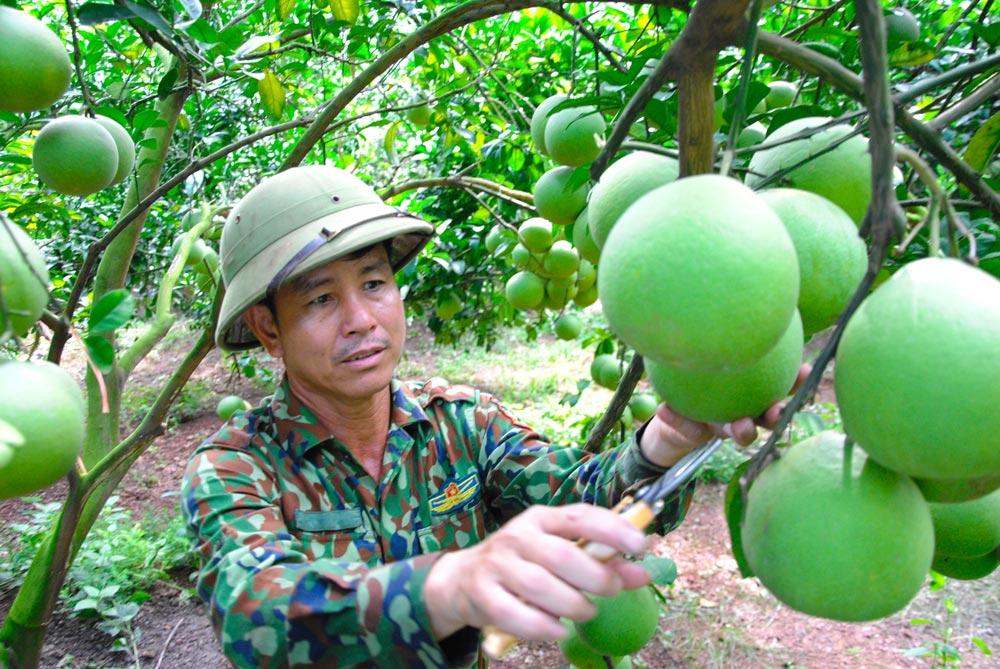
(74, 155)
(201, 256)
(622, 626)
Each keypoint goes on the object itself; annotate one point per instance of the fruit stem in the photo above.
(848, 472)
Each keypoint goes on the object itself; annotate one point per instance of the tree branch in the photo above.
(967, 104)
(516, 197)
(599, 46)
(616, 406)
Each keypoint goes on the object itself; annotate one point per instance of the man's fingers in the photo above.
(569, 562)
(515, 616)
(688, 430)
(539, 588)
(804, 370)
(631, 574)
(593, 523)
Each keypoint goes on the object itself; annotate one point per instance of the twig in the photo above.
(924, 86)
(746, 72)
(954, 26)
(84, 89)
(819, 18)
(967, 104)
(166, 644)
(515, 197)
(239, 17)
(589, 34)
(616, 406)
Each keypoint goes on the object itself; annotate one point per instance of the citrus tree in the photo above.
(458, 112)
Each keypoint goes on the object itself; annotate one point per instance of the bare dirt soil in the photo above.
(713, 619)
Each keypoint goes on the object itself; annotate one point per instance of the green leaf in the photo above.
(981, 645)
(150, 16)
(285, 8)
(735, 509)
(272, 95)
(15, 159)
(86, 604)
(101, 352)
(390, 141)
(990, 34)
(912, 54)
(345, 10)
(662, 570)
(202, 31)
(167, 82)
(984, 144)
(112, 311)
(94, 13)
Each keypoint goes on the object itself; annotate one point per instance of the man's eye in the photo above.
(322, 299)
(374, 284)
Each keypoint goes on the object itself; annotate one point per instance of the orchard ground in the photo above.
(713, 617)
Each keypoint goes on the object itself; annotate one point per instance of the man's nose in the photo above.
(359, 315)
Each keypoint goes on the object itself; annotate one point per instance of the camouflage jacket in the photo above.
(306, 561)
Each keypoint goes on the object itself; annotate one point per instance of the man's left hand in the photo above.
(669, 435)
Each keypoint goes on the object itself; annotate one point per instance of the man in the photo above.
(355, 520)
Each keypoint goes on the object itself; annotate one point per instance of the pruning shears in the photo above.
(639, 510)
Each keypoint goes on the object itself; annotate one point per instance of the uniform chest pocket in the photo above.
(453, 531)
(338, 534)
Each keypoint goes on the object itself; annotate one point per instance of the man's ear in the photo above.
(260, 319)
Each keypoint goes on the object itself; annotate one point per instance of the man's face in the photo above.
(340, 328)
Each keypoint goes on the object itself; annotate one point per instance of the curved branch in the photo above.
(967, 104)
(516, 197)
(616, 406)
(590, 35)
(811, 62)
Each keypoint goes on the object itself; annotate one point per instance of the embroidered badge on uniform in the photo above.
(455, 494)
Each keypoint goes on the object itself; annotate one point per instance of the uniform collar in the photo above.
(298, 429)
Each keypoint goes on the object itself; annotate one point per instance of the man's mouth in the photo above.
(364, 354)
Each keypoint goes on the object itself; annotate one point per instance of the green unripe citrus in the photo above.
(926, 344)
(42, 402)
(848, 546)
(34, 67)
(568, 326)
(622, 184)
(780, 94)
(726, 247)
(832, 256)
(824, 48)
(949, 491)
(751, 135)
(724, 396)
(842, 174)
(540, 118)
(419, 116)
(231, 404)
(586, 296)
(191, 219)
(75, 155)
(24, 278)
(524, 290)
(643, 406)
(967, 529)
(586, 275)
(901, 26)
(500, 238)
(536, 234)
(623, 624)
(555, 200)
(966, 569)
(557, 295)
(606, 370)
(574, 136)
(564, 281)
(209, 264)
(124, 145)
(579, 654)
(448, 306)
(520, 256)
(583, 240)
(561, 260)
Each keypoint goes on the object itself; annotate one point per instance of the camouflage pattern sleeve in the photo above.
(273, 605)
(523, 468)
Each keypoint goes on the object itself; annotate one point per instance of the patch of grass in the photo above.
(195, 398)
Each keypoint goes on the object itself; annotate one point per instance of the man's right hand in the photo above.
(528, 574)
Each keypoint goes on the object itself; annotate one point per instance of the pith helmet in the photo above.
(294, 222)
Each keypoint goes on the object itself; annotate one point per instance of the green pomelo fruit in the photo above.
(751, 135)
(579, 654)
(520, 256)
(561, 260)
(901, 26)
(780, 94)
(824, 48)
(643, 406)
(967, 529)
(926, 344)
(699, 273)
(229, 405)
(832, 256)
(124, 145)
(966, 569)
(949, 491)
(568, 326)
(419, 116)
(606, 371)
(558, 296)
(199, 249)
(724, 396)
(586, 296)
(536, 234)
(583, 240)
(842, 174)
(448, 306)
(586, 275)
(574, 136)
(850, 548)
(75, 155)
(209, 264)
(44, 404)
(623, 624)
(626, 419)
(540, 118)
(524, 290)
(564, 281)
(34, 67)
(554, 199)
(500, 238)
(622, 184)
(191, 219)
(24, 278)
